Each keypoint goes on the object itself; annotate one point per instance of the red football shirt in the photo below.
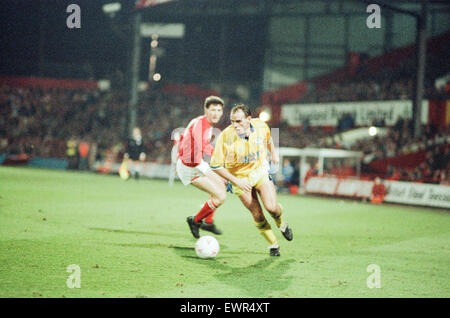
(195, 141)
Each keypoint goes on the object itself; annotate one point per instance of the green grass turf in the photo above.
(131, 239)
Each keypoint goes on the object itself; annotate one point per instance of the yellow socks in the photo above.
(266, 231)
(279, 219)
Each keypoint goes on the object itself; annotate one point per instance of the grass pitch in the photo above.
(130, 239)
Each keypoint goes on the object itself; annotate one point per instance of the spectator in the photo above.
(295, 180)
(313, 171)
(378, 192)
(83, 150)
(72, 153)
(287, 171)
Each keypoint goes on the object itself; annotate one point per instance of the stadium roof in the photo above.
(185, 8)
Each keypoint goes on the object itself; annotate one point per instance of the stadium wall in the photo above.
(52, 163)
(410, 193)
(328, 114)
(147, 169)
(25, 160)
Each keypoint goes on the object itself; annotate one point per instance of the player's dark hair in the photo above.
(242, 107)
(213, 100)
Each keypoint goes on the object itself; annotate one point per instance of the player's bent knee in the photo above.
(217, 202)
(219, 198)
(272, 208)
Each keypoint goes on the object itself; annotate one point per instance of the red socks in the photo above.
(209, 218)
(206, 212)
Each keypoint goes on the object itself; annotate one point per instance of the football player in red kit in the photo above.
(191, 167)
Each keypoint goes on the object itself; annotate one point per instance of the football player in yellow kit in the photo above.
(240, 156)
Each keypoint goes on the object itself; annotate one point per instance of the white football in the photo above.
(207, 247)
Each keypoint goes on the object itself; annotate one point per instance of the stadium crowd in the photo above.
(399, 139)
(50, 122)
(55, 122)
(371, 90)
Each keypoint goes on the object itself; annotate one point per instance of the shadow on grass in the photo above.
(189, 252)
(119, 231)
(265, 278)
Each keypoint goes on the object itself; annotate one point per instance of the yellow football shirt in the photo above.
(241, 155)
